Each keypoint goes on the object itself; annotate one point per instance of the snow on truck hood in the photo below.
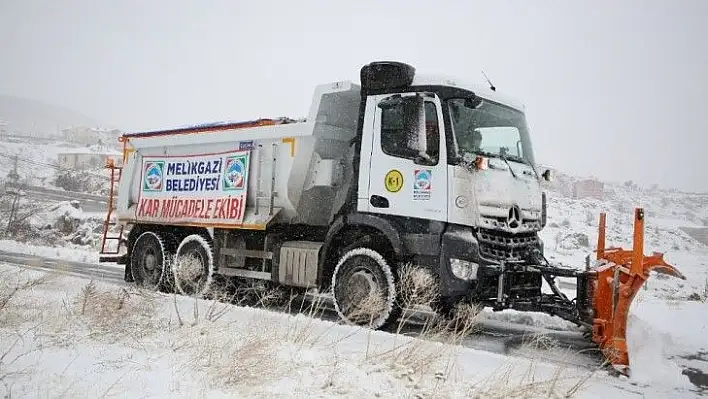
(497, 186)
(492, 193)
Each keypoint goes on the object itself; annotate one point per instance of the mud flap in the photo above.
(612, 285)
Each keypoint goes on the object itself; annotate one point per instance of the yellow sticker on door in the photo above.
(393, 181)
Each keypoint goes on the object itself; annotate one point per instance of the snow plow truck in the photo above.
(401, 168)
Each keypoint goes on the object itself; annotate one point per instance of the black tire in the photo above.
(357, 268)
(193, 266)
(170, 242)
(148, 260)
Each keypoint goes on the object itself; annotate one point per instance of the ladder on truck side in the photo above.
(105, 254)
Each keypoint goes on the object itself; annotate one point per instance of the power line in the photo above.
(36, 162)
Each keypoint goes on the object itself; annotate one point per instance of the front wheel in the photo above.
(364, 289)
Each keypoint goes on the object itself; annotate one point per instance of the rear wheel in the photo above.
(148, 261)
(364, 290)
(193, 268)
(170, 242)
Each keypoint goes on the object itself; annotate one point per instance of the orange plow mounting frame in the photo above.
(613, 284)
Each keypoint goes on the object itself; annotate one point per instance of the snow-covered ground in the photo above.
(59, 231)
(123, 346)
(77, 338)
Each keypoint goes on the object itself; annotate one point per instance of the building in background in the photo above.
(589, 189)
(87, 136)
(87, 158)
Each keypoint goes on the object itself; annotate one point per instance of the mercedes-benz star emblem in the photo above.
(514, 218)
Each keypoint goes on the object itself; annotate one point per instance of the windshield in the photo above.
(486, 128)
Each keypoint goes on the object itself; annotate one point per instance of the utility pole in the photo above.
(14, 175)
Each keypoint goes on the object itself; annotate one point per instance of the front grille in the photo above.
(499, 223)
(500, 245)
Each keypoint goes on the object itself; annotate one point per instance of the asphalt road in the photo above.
(101, 272)
(89, 202)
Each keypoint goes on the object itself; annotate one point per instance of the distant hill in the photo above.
(26, 116)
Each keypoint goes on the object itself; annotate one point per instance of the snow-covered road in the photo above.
(89, 203)
(495, 333)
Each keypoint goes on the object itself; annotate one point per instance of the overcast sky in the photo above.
(615, 89)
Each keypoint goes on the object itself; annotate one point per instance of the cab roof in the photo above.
(480, 90)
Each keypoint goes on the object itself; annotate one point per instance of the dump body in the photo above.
(242, 175)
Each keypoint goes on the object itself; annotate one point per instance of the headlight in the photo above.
(463, 269)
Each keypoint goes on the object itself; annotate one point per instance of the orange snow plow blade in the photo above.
(612, 285)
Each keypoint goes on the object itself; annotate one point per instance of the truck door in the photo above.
(408, 161)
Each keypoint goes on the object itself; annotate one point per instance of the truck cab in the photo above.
(451, 167)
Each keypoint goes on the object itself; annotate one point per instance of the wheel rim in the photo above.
(360, 285)
(150, 266)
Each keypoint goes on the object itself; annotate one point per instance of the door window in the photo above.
(400, 136)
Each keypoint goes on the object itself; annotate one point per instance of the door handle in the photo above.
(378, 201)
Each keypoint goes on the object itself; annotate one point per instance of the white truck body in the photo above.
(402, 168)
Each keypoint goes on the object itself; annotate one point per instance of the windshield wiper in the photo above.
(503, 157)
(525, 162)
(495, 155)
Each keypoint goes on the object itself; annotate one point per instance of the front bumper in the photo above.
(460, 246)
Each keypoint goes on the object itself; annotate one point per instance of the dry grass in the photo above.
(13, 355)
(432, 355)
(106, 315)
(303, 331)
(250, 354)
(237, 355)
(116, 313)
(514, 380)
(21, 317)
(417, 286)
(260, 293)
(538, 341)
(15, 306)
(506, 382)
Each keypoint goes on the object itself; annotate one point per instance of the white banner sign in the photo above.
(201, 189)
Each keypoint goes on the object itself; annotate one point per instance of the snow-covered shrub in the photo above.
(573, 241)
(81, 181)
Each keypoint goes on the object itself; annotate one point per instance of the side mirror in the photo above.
(547, 175)
(414, 121)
